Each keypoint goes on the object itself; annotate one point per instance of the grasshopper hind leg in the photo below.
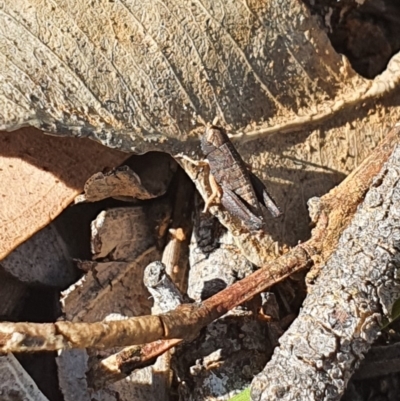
(263, 196)
(239, 209)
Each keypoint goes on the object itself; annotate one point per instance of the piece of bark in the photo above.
(103, 290)
(145, 384)
(223, 359)
(120, 365)
(120, 234)
(142, 177)
(123, 242)
(71, 367)
(120, 183)
(166, 296)
(75, 387)
(39, 178)
(343, 313)
(15, 383)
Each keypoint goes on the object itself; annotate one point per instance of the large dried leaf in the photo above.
(140, 77)
(39, 178)
(143, 77)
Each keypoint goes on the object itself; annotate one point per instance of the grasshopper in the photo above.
(240, 191)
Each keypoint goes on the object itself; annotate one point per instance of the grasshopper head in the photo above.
(213, 138)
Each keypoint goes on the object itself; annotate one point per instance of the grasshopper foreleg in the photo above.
(216, 192)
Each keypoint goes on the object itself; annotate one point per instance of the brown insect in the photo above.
(240, 191)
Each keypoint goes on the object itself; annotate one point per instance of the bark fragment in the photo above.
(144, 177)
(120, 365)
(123, 242)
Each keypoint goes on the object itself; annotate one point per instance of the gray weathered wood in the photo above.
(15, 383)
(166, 295)
(343, 313)
(215, 262)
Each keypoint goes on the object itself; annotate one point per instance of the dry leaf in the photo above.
(40, 175)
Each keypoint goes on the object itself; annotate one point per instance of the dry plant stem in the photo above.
(176, 260)
(120, 365)
(187, 320)
(184, 322)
